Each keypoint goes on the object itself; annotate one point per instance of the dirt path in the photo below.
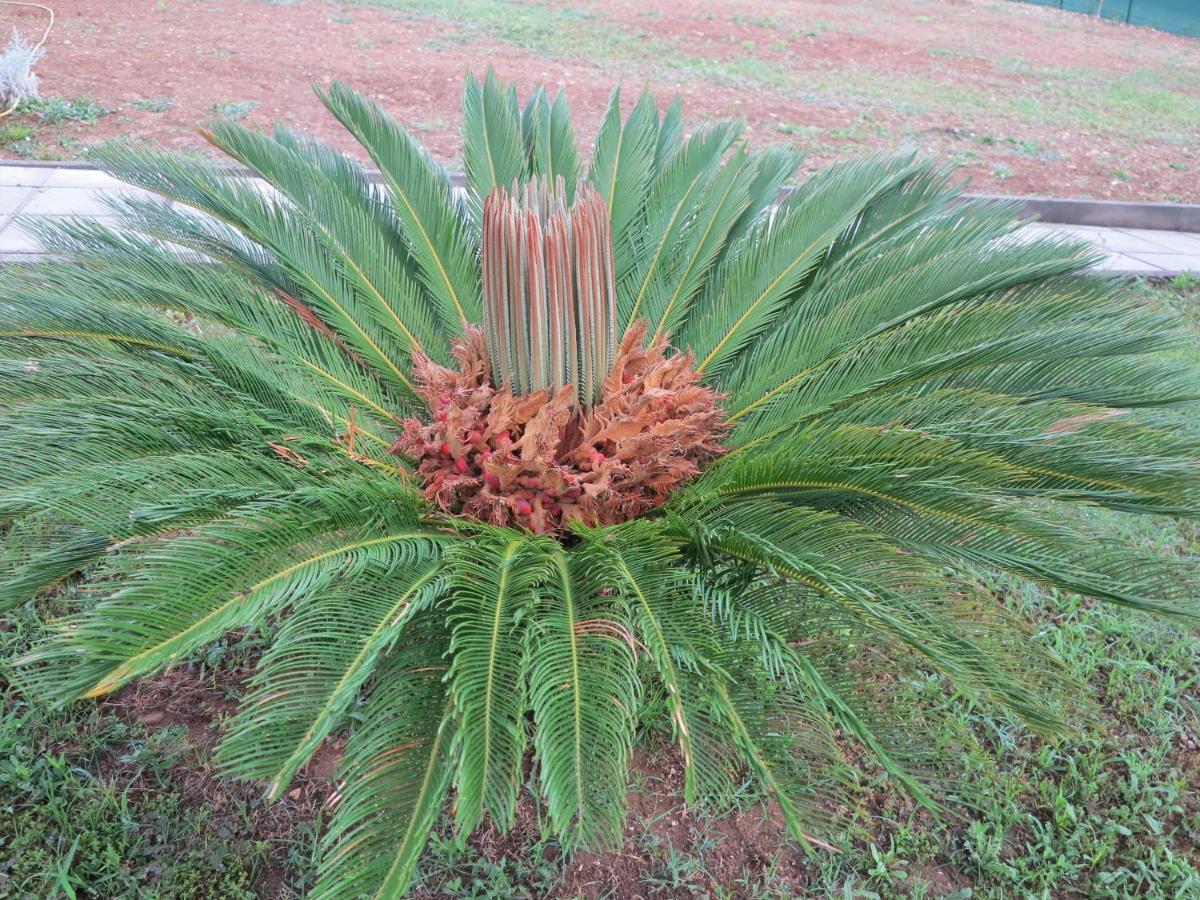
(1025, 98)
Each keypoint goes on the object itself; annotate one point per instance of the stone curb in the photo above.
(1107, 213)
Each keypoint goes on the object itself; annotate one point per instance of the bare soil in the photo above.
(1026, 98)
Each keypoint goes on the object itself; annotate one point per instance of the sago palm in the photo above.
(502, 468)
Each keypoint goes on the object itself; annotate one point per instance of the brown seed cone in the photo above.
(532, 461)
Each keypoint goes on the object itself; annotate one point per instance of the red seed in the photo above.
(446, 450)
(523, 507)
(503, 438)
(475, 437)
(492, 481)
(462, 465)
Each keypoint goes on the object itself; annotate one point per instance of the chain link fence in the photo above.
(1178, 16)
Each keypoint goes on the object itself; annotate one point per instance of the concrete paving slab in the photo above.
(1120, 241)
(82, 178)
(13, 200)
(1128, 265)
(77, 202)
(1171, 263)
(62, 202)
(14, 239)
(1164, 241)
(1091, 233)
(32, 176)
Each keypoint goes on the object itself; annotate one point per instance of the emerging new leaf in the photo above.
(541, 425)
(549, 299)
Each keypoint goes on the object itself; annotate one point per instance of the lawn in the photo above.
(1027, 99)
(118, 799)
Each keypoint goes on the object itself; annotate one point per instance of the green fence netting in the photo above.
(1179, 16)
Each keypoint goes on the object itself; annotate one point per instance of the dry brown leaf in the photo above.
(532, 461)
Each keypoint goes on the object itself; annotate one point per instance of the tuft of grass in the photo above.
(154, 104)
(237, 109)
(10, 133)
(61, 109)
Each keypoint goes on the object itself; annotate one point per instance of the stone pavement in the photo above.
(45, 191)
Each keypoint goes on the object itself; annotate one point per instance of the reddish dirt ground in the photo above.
(1027, 99)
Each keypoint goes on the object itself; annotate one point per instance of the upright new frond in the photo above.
(493, 143)
(549, 293)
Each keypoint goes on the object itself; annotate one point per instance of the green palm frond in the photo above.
(357, 236)
(422, 198)
(582, 682)
(780, 254)
(395, 775)
(642, 565)
(676, 194)
(493, 139)
(201, 407)
(186, 591)
(767, 619)
(621, 170)
(550, 140)
(322, 655)
(493, 581)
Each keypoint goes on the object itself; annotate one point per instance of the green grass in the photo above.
(93, 804)
(154, 104)
(18, 139)
(550, 30)
(41, 128)
(1144, 105)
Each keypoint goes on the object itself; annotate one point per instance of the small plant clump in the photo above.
(17, 81)
(73, 109)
